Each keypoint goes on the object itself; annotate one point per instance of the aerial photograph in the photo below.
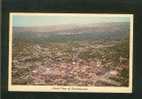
(70, 50)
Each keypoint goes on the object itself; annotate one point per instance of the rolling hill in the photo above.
(106, 31)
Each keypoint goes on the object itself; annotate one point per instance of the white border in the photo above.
(38, 88)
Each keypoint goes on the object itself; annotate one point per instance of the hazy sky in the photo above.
(33, 20)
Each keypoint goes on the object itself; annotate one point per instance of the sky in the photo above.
(46, 20)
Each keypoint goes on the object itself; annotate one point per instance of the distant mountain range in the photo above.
(112, 30)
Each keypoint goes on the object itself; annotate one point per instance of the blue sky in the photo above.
(33, 20)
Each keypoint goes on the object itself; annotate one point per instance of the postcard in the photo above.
(70, 52)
